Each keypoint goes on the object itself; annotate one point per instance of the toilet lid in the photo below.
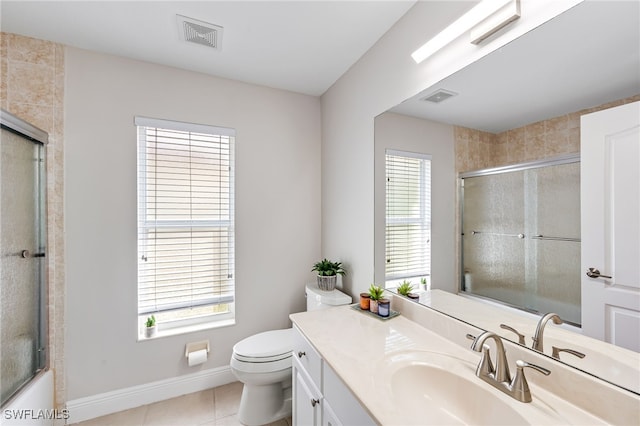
(266, 345)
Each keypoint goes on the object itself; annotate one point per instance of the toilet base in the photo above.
(262, 404)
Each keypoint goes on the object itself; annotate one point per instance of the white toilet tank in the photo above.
(320, 299)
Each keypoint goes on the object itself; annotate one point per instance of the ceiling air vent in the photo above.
(199, 32)
(439, 96)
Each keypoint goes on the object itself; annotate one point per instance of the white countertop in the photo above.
(359, 347)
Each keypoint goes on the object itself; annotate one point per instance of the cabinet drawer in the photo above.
(308, 357)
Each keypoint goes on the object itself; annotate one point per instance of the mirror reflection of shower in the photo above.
(521, 236)
(23, 319)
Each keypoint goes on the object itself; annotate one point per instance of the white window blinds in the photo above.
(185, 216)
(408, 215)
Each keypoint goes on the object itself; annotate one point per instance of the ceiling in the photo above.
(301, 46)
(587, 56)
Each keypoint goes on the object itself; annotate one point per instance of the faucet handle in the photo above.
(520, 335)
(556, 352)
(485, 367)
(519, 386)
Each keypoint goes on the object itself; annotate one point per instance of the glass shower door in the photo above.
(553, 252)
(22, 319)
(521, 236)
(493, 241)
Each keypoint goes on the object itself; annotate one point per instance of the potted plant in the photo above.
(405, 288)
(151, 328)
(328, 272)
(423, 282)
(375, 294)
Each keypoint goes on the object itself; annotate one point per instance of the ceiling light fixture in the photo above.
(472, 19)
(495, 22)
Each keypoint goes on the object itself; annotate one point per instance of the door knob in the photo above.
(594, 273)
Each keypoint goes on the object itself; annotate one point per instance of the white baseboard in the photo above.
(90, 407)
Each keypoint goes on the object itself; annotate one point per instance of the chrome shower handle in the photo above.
(26, 254)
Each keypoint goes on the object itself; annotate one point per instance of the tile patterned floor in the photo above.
(212, 407)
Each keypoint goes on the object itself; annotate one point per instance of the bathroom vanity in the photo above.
(417, 368)
(319, 396)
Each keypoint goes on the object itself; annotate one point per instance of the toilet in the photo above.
(262, 362)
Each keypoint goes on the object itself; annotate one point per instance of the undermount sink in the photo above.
(439, 389)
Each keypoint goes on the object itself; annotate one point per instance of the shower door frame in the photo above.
(38, 136)
(551, 161)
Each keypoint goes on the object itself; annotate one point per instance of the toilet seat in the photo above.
(272, 346)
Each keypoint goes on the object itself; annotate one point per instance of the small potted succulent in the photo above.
(375, 294)
(405, 288)
(150, 327)
(328, 272)
(423, 283)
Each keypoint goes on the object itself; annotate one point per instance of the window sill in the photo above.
(185, 329)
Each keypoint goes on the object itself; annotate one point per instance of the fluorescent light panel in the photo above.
(473, 17)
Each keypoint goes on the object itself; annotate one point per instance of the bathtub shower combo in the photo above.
(521, 236)
(23, 315)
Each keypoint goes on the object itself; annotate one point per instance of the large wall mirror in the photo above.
(517, 109)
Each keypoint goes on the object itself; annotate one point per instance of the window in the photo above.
(408, 217)
(185, 223)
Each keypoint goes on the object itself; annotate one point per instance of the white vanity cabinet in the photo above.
(319, 396)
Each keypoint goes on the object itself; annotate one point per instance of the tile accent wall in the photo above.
(32, 88)
(476, 150)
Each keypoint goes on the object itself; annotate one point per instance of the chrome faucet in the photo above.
(485, 369)
(499, 376)
(537, 336)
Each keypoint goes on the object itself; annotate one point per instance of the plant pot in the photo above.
(373, 306)
(150, 331)
(327, 283)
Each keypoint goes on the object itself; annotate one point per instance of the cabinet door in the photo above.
(329, 418)
(344, 404)
(306, 408)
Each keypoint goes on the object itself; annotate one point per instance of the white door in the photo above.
(610, 225)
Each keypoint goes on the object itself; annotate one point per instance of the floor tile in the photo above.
(212, 407)
(192, 409)
(227, 399)
(131, 417)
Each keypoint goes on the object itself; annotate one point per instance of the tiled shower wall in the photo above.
(32, 88)
(476, 150)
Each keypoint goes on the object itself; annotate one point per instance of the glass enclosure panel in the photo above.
(521, 238)
(554, 249)
(493, 253)
(22, 322)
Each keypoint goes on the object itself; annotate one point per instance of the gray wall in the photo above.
(277, 212)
